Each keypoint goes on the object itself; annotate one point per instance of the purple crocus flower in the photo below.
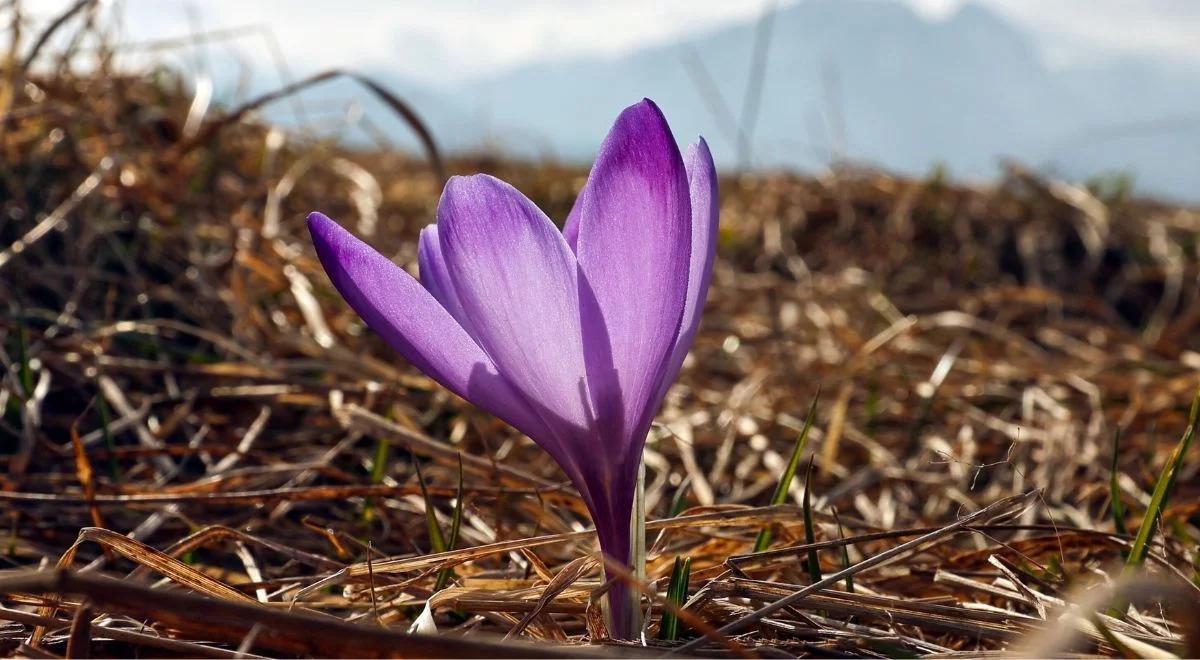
(571, 337)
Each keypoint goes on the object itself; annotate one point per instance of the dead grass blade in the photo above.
(183, 648)
(565, 577)
(391, 100)
(59, 215)
(279, 631)
(83, 470)
(143, 555)
(50, 30)
(154, 560)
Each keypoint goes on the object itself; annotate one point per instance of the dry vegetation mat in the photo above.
(203, 452)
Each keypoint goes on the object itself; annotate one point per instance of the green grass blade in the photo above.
(845, 551)
(379, 463)
(445, 574)
(456, 520)
(681, 573)
(11, 550)
(814, 563)
(679, 502)
(437, 542)
(25, 375)
(378, 472)
(785, 481)
(668, 628)
(1162, 490)
(1117, 509)
(114, 469)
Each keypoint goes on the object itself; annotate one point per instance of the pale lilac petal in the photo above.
(634, 240)
(517, 281)
(435, 276)
(408, 318)
(702, 181)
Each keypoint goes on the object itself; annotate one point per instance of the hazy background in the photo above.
(1075, 88)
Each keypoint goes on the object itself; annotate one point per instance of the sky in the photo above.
(433, 40)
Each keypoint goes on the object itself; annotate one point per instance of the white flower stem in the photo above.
(637, 549)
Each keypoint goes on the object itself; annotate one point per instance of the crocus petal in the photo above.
(516, 279)
(435, 276)
(633, 222)
(408, 318)
(702, 182)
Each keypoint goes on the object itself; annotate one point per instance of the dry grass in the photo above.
(189, 407)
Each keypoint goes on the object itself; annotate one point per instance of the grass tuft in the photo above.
(1162, 490)
(789, 473)
(677, 593)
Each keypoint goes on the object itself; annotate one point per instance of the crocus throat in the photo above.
(613, 530)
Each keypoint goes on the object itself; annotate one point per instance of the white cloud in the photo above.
(431, 39)
(1069, 28)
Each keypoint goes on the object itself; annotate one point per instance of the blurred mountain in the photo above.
(864, 80)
